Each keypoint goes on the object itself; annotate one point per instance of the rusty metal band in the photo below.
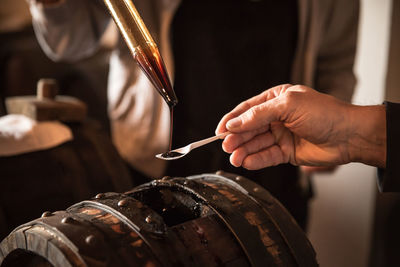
(53, 238)
(26, 238)
(133, 214)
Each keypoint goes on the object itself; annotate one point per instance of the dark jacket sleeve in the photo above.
(389, 178)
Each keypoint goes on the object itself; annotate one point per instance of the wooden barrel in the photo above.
(205, 220)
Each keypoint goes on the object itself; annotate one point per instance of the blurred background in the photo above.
(23, 63)
(351, 224)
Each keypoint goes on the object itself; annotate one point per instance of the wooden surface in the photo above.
(62, 108)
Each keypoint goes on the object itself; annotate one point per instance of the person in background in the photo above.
(15, 37)
(298, 125)
(218, 54)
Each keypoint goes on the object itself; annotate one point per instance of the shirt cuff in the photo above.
(389, 178)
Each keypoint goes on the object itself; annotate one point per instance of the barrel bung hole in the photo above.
(20, 257)
(174, 205)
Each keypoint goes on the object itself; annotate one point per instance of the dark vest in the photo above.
(225, 52)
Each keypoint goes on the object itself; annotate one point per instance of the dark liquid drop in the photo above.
(149, 59)
(171, 154)
(171, 110)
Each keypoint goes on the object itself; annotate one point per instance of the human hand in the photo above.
(298, 125)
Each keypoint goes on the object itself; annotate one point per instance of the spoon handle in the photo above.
(208, 140)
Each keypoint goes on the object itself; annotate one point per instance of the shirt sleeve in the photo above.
(71, 29)
(389, 178)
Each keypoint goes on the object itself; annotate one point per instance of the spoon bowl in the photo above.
(183, 151)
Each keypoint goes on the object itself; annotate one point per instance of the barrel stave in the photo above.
(124, 241)
(209, 242)
(291, 232)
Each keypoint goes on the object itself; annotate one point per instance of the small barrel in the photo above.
(58, 177)
(55, 178)
(205, 220)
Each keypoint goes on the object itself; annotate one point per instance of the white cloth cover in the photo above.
(20, 134)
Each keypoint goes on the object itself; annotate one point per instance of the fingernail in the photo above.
(234, 123)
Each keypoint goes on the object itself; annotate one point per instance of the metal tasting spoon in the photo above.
(183, 151)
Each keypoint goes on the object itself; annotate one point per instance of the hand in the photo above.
(298, 125)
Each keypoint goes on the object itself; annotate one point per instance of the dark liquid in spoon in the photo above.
(171, 154)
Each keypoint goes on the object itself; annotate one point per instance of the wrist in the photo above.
(367, 141)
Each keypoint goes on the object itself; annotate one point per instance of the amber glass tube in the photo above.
(142, 46)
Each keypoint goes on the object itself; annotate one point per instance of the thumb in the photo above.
(256, 117)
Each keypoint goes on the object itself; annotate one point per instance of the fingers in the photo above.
(221, 128)
(256, 117)
(250, 141)
(248, 104)
(265, 158)
(233, 141)
(254, 145)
